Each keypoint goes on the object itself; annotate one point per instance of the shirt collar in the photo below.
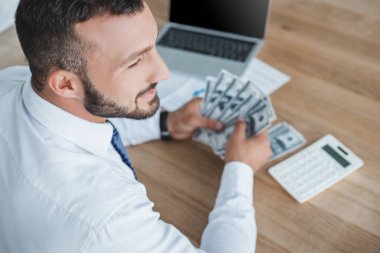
(93, 137)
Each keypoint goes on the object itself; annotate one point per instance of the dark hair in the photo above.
(46, 32)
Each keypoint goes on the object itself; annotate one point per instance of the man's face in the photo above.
(124, 66)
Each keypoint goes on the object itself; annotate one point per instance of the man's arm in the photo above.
(232, 226)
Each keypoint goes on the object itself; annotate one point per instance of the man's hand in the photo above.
(183, 122)
(254, 151)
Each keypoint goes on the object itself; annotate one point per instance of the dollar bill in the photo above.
(224, 82)
(284, 139)
(242, 103)
(210, 83)
(219, 105)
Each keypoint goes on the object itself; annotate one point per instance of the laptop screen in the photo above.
(244, 17)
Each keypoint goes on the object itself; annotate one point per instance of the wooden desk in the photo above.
(331, 49)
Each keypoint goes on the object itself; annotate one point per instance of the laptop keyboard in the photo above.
(208, 44)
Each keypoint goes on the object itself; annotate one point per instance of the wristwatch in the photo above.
(165, 134)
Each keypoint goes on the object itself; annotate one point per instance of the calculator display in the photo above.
(336, 156)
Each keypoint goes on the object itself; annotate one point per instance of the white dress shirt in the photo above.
(64, 188)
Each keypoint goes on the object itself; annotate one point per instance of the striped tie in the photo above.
(118, 145)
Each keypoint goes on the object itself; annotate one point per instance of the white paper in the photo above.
(266, 77)
(179, 89)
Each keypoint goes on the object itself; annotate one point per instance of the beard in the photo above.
(97, 104)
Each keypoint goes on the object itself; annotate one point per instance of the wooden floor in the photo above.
(331, 50)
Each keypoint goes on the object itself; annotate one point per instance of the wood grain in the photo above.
(331, 50)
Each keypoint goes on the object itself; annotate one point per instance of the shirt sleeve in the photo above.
(135, 132)
(232, 225)
(231, 228)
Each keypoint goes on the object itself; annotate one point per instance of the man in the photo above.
(66, 183)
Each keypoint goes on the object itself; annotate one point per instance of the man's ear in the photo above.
(65, 84)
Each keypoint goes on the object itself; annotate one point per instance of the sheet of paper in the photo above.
(179, 89)
(169, 86)
(266, 77)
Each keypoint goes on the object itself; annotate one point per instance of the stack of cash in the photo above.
(227, 98)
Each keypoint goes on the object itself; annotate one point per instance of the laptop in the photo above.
(205, 36)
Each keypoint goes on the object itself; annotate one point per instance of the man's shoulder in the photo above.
(90, 187)
(12, 79)
(14, 73)
(56, 175)
(65, 193)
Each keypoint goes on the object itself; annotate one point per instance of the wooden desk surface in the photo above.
(331, 50)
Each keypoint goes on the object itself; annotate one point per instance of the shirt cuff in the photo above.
(237, 178)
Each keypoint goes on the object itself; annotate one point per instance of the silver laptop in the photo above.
(204, 36)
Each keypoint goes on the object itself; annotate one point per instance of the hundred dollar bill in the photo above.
(210, 83)
(215, 93)
(284, 139)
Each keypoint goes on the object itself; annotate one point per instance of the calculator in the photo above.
(315, 168)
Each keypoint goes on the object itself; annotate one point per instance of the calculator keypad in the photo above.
(306, 173)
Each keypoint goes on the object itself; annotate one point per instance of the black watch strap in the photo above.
(165, 134)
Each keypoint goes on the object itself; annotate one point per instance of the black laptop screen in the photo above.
(245, 17)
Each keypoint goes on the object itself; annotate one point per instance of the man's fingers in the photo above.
(261, 139)
(195, 104)
(209, 123)
(239, 130)
(262, 135)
